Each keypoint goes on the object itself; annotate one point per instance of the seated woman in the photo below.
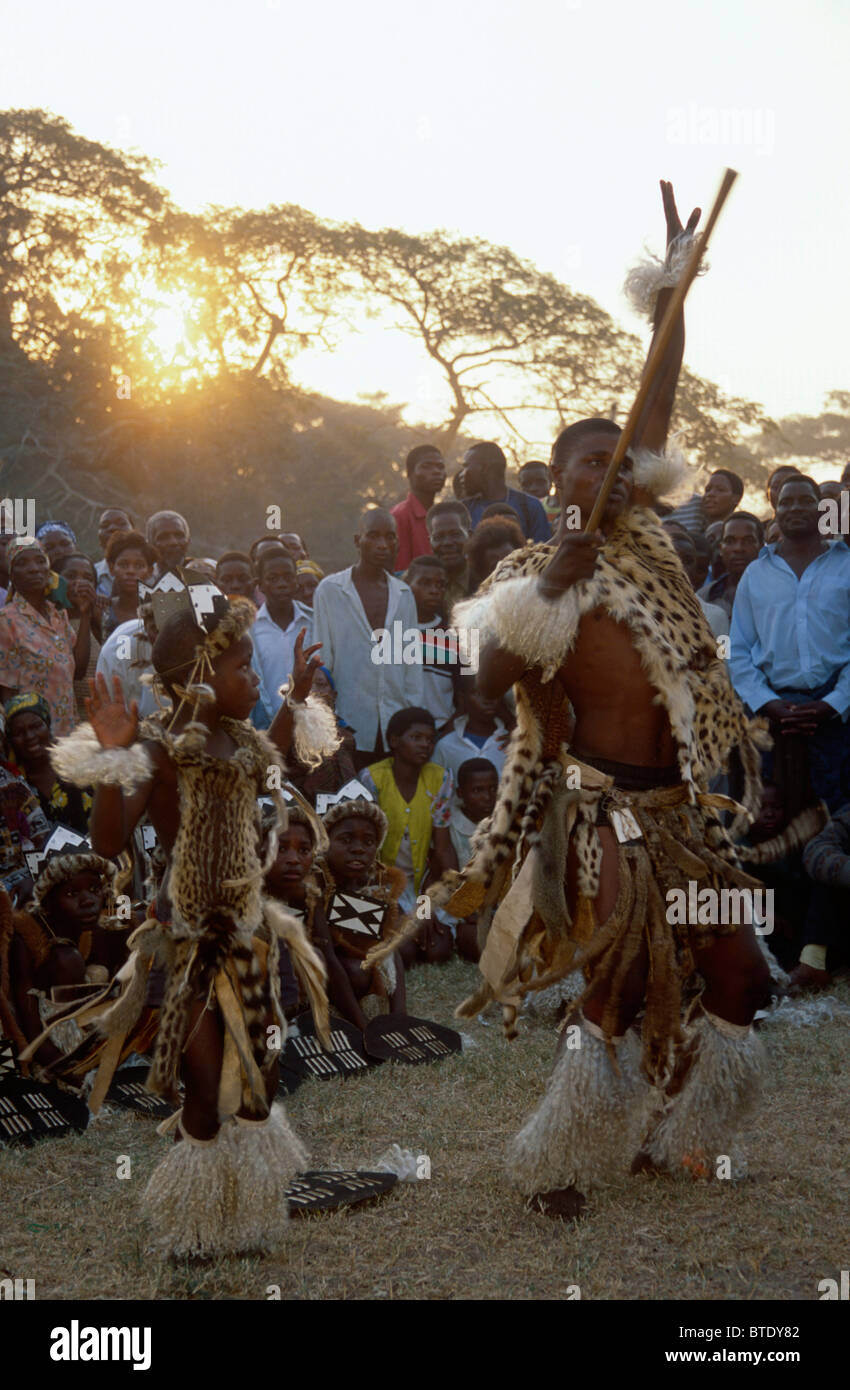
(29, 736)
(361, 900)
(415, 796)
(67, 938)
(23, 826)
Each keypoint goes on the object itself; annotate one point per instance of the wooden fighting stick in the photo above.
(659, 347)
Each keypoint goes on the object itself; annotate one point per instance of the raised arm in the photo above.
(654, 423)
(305, 663)
(115, 813)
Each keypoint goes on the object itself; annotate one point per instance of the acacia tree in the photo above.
(265, 284)
(519, 349)
(500, 330)
(69, 208)
(809, 439)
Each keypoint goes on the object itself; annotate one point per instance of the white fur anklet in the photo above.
(586, 1128)
(720, 1091)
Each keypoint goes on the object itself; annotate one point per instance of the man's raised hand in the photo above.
(671, 213)
(574, 560)
(115, 725)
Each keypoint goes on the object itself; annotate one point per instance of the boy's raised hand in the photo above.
(115, 725)
(304, 666)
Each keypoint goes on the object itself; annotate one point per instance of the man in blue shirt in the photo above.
(790, 641)
(484, 467)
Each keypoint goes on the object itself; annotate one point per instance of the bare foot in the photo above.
(805, 977)
(562, 1203)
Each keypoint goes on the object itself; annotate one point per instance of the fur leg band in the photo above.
(585, 1128)
(225, 1196)
(721, 1089)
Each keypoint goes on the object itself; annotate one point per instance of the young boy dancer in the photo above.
(197, 770)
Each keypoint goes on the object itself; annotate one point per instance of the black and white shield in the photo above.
(128, 1092)
(30, 1110)
(402, 1038)
(360, 915)
(325, 1190)
(303, 1054)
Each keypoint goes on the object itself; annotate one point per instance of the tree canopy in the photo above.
(152, 356)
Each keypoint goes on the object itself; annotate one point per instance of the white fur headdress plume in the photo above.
(659, 474)
(650, 275)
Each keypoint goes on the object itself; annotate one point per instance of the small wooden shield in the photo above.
(32, 1110)
(128, 1092)
(402, 1038)
(304, 1055)
(325, 1190)
(360, 915)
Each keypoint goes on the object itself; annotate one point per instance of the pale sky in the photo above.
(543, 124)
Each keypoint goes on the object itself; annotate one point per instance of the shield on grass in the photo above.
(325, 1190)
(402, 1038)
(303, 1055)
(128, 1092)
(32, 1110)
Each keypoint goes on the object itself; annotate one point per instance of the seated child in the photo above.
(415, 796)
(293, 880)
(66, 939)
(355, 831)
(477, 785)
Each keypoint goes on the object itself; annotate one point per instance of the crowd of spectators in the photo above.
(415, 734)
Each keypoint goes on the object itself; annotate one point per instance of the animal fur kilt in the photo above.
(550, 805)
(219, 944)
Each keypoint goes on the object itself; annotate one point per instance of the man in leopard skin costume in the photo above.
(197, 770)
(625, 714)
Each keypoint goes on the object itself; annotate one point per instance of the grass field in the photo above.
(68, 1222)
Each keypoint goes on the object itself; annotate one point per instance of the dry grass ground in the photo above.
(67, 1221)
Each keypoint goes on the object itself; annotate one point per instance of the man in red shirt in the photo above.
(426, 474)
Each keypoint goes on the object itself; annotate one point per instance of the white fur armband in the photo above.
(650, 275)
(314, 730)
(515, 614)
(658, 474)
(82, 760)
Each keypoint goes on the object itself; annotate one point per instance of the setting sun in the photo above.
(168, 326)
